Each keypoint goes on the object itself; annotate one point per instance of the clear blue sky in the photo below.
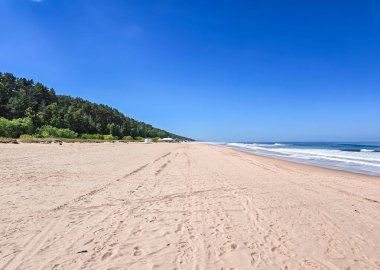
(211, 70)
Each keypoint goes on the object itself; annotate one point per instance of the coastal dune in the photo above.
(180, 206)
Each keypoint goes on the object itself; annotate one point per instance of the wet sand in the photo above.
(180, 206)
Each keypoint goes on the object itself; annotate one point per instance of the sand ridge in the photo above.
(180, 206)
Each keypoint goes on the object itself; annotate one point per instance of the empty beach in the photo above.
(180, 206)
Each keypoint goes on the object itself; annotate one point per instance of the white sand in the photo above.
(180, 206)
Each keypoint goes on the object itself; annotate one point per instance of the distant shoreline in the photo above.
(298, 161)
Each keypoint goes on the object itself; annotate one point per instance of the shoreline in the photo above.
(305, 166)
(295, 161)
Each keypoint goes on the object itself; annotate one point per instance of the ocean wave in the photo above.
(355, 145)
(350, 159)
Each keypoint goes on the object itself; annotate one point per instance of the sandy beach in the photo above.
(180, 206)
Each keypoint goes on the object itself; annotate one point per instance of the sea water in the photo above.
(353, 156)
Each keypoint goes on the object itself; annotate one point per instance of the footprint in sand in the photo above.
(106, 255)
(227, 247)
(255, 257)
(137, 251)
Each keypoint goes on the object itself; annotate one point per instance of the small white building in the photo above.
(148, 140)
(166, 140)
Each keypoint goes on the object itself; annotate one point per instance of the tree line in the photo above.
(27, 107)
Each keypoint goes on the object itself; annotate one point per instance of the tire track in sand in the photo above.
(39, 238)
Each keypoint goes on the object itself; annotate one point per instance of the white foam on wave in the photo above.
(269, 144)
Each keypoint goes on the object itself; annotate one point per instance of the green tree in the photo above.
(20, 98)
(15, 128)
